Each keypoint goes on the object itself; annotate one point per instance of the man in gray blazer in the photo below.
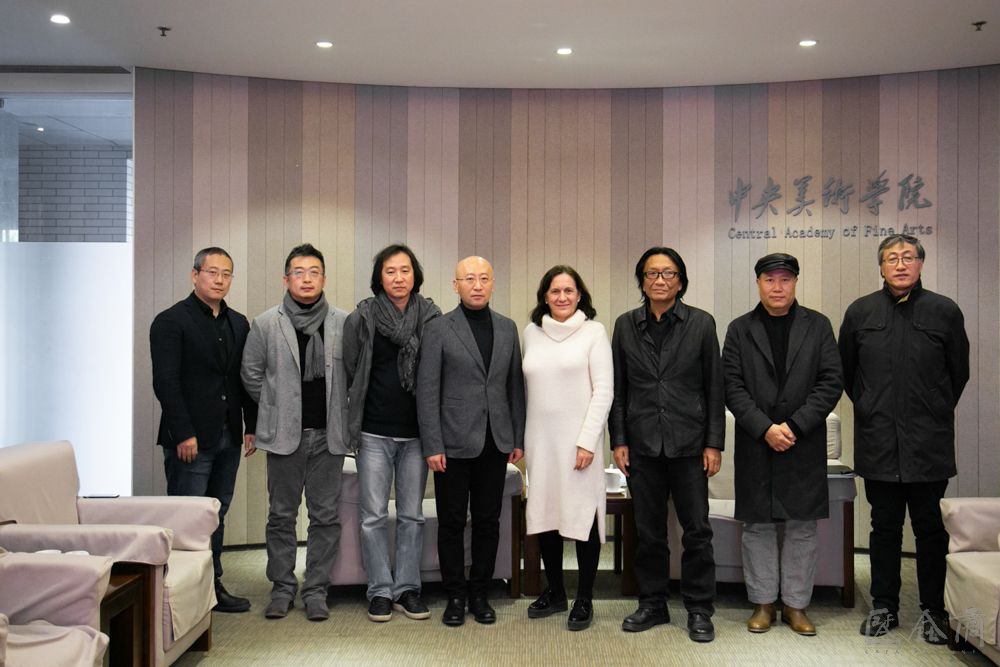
(470, 406)
(293, 367)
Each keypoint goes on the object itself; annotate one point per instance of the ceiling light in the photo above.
(61, 19)
(564, 51)
(324, 44)
(40, 129)
(807, 43)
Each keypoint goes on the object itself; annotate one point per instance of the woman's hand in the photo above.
(583, 458)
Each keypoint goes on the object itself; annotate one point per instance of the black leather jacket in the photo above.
(905, 366)
(668, 401)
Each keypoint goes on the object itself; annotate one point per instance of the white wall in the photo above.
(66, 354)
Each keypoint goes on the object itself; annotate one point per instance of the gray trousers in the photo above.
(313, 468)
(792, 572)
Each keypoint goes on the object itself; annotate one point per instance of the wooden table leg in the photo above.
(618, 544)
(532, 566)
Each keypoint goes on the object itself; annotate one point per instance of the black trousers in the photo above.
(652, 481)
(889, 502)
(470, 486)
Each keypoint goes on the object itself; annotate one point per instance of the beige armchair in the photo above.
(49, 609)
(972, 581)
(165, 540)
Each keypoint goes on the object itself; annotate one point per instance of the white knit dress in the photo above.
(569, 380)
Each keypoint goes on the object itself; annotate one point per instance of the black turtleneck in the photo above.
(481, 323)
(313, 391)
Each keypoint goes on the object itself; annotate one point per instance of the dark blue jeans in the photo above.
(653, 480)
(212, 474)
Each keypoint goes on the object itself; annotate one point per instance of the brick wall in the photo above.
(74, 193)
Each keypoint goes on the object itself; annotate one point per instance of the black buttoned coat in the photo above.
(792, 484)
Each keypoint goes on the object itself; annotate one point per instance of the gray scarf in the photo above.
(403, 329)
(309, 321)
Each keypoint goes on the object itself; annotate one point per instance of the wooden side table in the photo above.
(619, 505)
(122, 620)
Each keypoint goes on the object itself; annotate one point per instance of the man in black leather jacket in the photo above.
(667, 427)
(906, 361)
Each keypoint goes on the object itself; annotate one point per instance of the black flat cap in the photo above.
(775, 261)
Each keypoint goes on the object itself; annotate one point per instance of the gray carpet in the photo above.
(349, 638)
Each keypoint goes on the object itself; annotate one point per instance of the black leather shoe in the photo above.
(700, 628)
(646, 617)
(454, 613)
(582, 614)
(934, 626)
(548, 603)
(879, 622)
(481, 610)
(229, 604)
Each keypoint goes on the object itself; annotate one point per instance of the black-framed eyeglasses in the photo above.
(666, 275)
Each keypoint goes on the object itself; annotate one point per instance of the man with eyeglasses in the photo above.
(293, 366)
(667, 426)
(470, 408)
(906, 361)
(196, 346)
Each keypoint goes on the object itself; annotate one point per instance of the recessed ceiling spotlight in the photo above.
(40, 129)
(564, 51)
(324, 44)
(807, 43)
(61, 19)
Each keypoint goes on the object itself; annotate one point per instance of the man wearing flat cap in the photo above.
(783, 377)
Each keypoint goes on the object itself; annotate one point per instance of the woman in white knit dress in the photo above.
(569, 378)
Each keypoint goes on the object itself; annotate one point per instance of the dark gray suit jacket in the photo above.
(456, 397)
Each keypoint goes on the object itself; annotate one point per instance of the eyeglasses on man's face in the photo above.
(667, 275)
(299, 274)
(215, 274)
(893, 260)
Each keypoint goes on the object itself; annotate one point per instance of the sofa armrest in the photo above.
(122, 543)
(973, 524)
(513, 483)
(192, 519)
(62, 589)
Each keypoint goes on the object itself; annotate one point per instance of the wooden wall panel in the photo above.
(592, 178)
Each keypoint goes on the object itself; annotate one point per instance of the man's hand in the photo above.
(779, 437)
(248, 444)
(515, 455)
(621, 459)
(583, 458)
(437, 463)
(711, 461)
(187, 451)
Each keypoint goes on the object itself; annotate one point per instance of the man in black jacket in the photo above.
(783, 378)
(196, 347)
(667, 427)
(906, 361)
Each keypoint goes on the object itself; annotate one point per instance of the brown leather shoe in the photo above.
(797, 619)
(762, 618)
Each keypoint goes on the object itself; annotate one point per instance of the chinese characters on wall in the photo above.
(835, 193)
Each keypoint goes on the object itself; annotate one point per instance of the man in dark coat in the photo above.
(783, 377)
(667, 426)
(196, 346)
(906, 362)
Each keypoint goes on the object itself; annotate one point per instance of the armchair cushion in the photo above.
(972, 592)
(192, 519)
(23, 498)
(973, 524)
(133, 544)
(62, 589)
(188, 593)
(39, 643)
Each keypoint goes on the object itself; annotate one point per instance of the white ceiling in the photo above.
(476, 43)
(509, 43)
